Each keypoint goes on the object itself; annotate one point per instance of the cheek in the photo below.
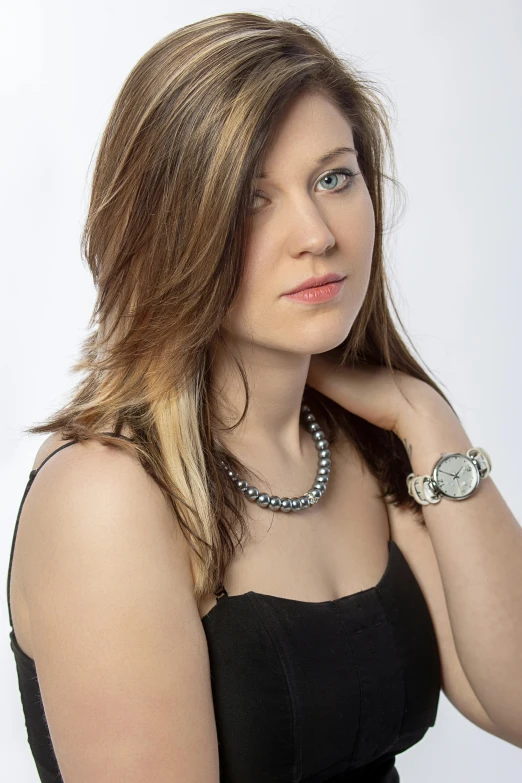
(359, 243)
(251, 302)
(256, 312)
(363, 222)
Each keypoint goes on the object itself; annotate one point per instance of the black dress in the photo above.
(304, 692)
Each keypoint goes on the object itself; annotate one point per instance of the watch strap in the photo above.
(424, 488)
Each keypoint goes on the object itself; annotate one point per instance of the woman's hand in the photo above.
(373, 393)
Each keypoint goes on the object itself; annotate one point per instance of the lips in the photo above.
(314, 282)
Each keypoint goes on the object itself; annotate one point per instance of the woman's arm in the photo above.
(118, 643)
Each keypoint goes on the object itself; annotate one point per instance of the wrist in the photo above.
(444, 462)
(431, 432)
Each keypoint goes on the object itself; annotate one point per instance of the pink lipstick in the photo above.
(318, 293)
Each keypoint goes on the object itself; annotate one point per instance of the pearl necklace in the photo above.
(318, 488)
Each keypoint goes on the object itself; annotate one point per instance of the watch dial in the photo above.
(456, 476)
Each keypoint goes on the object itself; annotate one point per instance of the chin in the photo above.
(321, 343)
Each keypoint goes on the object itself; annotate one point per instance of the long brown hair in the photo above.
(164, 240)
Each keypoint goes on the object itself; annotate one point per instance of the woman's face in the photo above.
(310, 218)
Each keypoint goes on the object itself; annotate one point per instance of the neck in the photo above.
(276, 382)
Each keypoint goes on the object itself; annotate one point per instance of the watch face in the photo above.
(456, 476)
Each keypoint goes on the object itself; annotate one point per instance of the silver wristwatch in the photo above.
(455, 476)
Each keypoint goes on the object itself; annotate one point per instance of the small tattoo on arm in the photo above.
(408, 447)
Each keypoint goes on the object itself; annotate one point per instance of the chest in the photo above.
(327, 690)
(334, 548)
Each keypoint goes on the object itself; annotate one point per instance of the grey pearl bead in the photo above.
(309, 498)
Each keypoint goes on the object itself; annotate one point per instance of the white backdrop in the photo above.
(453, 70)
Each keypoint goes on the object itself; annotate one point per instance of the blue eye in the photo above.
(350, 177)
(345, 172)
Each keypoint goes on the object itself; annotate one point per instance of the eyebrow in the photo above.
(323, 159)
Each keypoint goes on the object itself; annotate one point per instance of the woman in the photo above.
(221, 570)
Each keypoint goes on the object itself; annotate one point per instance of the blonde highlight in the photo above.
(165, 239)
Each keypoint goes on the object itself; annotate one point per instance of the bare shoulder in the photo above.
(116, 635)
(106, 483)
(56, 443)
(90, 465)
